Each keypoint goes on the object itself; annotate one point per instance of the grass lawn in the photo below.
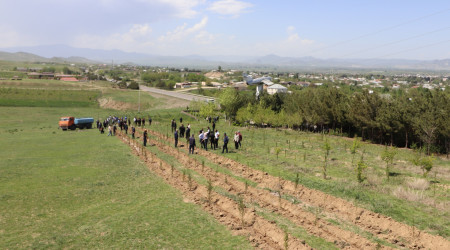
(80, 189)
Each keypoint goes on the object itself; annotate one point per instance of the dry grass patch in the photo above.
(418, 184)
(408, 194)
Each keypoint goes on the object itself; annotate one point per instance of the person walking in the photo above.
(181, 119)
(114, 129)
(236, 140)
(175, 136)
(240, 139)
(188, 131)
(174, 125)
(200, 138)
(149, 121)
(109, 130)
(126, 128)
(182, 130)
(191, 144)
(225, 142)
(216, 139)
(205, 139)
(133, 131)
(145, 138)
(212, 139)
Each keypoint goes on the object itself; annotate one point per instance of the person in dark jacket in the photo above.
(174, 125)
(191, 144)
(145, 138)
(133, 130)
(225, 142)
(188, 131)
(182, 129)
(175, 136)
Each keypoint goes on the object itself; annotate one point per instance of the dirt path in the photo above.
(260, 232)
(381, 226)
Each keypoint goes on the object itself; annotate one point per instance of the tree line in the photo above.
(411, 118)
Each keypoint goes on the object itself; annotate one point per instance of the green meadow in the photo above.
(80, 189)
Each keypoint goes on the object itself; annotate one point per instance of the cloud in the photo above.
(290, 45)
(11, 38)
(182, 8)
(293, 37)
(204, 37)
(181, 32)
(230, 7)
(138, 36)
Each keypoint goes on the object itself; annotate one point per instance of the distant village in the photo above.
(122, 76)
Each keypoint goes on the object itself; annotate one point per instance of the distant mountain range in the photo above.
(28, 57)
(63, 53)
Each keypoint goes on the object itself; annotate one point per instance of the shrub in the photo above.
(133, 85)
(360, 171)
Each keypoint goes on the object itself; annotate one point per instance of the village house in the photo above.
(240, 86)
(276, 88)
(182, 85)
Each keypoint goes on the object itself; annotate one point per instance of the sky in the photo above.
(378, 29)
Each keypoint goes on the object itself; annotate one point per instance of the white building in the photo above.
(276, 88)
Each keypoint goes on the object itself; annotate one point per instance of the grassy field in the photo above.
(80, 189)
(57, 194)
(15, 97)
(53, 84)
(424, 205)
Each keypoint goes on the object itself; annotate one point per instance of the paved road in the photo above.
(181, 95)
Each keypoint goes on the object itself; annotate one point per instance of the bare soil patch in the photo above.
(109, 103)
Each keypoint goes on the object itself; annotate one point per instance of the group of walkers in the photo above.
(113, 122)
(207, 138)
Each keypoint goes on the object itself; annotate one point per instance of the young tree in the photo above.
(326, 146)
(388, 157)
(356, 144)
(360, 167)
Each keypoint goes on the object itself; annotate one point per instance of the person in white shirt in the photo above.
(236, 140)
(205, 140)
(216, 139)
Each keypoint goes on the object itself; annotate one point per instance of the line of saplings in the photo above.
(404, 118)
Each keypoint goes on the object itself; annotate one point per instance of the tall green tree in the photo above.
(231, 101)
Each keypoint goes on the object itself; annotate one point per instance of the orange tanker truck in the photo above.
(70, 122)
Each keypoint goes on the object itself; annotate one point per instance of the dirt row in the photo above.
(259, 231)
(379, 225)
(272, 202)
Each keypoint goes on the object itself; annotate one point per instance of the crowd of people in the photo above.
(208, 138)
(125, 124)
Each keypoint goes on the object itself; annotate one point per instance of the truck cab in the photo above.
(67, 122)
